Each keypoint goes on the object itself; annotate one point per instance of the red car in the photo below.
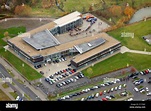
(72, 71)
(146, 71)
(104, 99)
(101, 93)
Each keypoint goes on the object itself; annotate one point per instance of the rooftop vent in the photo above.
(89, 45)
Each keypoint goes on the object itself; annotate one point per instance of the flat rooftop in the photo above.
(41, 40)
(26, 48)
(110, 41)
(68, 18)
(82, 48)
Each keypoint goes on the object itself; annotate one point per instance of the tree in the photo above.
(6, 34)
(22, 10)
(115, 10)
(133, 70)
(90, 8)
(128, 11)
(47, 3)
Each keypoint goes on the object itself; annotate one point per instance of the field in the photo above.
(79, 5)
(30, 74)
(119, 61)
(3, 96)
(139, 29)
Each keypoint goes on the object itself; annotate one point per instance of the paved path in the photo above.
(125, 49)
(40, 19)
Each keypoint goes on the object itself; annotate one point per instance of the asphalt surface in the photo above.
(46, 87)
(25, 89)
(137, 96)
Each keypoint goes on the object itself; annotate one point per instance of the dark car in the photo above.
(112, 96)
(149, 82)
(41, 72)
(47, 79)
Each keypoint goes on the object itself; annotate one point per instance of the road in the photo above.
(20, 88)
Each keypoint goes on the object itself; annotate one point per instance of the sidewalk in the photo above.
(125, 49)
(41, 95)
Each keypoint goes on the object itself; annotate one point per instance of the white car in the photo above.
(82, 99)
(17, 98)
(137, 83)
(104, 91)
(136, 89)
(72, 80)
(147, 89)
(112, 89)
(115, 88)
(97, 95)
(108, 97)
(124, 85)
(130, 99)
(117, 80)
(142, 91)
(76, 77)
(149, 94)
(102, 85)
(119, 87)
(95, 87)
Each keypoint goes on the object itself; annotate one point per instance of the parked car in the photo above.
(108, 97)
(41, 72)
(112, 96)
(147, 89)
(104, 99)
(17, 98)
(119, 87)
(130, 99)
(101, 93)
(149, 82)
(97, 95)
(115, 88)
(112, 89)
(136, 89)
(149, 94)
(82, 99)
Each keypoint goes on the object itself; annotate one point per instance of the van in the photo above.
(97, 95)
(136, 89)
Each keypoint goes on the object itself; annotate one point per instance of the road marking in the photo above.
(144, 80)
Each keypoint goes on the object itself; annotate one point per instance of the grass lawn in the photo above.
(79, 5)
(13, 94)
(5, 85)
(119, 61)
(27, 71)
(3, 96)
(136, 43)
(30, 74)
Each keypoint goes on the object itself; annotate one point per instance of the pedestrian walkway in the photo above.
(125, 49)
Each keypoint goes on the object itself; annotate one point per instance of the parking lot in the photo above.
(98, 92)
